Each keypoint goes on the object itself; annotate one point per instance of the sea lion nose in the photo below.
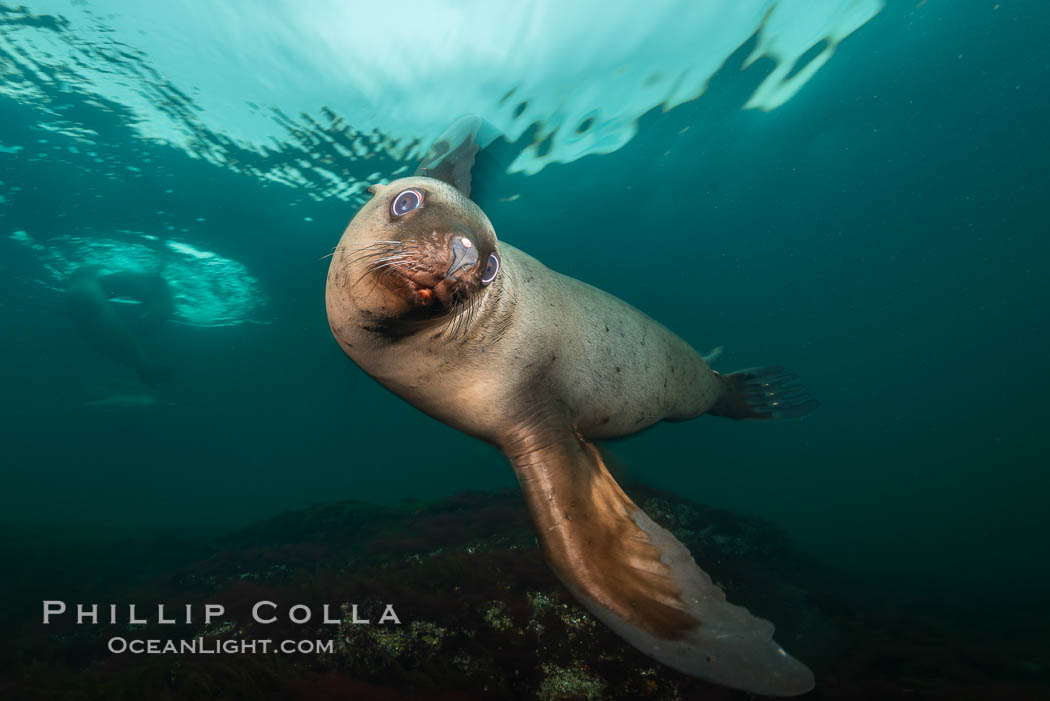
(464, 255)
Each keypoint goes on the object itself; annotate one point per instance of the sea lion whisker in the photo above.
(449, 329)
(468, 313)
(473, 307)
(461, 314)
(384, 254)
(379, 244)
(375, 270)
(383, 261)
(375, 247)
(461, 317)
(393, 257)
(371, 269)
(453, 327)
(396, 256)
(363, 257)
(336, 249)
(384, 266)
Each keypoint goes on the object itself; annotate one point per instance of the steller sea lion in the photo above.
(476, 333)
(89, 299)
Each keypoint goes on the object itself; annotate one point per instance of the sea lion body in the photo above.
(616, 370)
(118, 336)
(487, 339)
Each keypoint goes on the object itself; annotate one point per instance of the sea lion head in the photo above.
(418, 251)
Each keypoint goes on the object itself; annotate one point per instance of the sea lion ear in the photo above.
(451, 157)
(637, 577)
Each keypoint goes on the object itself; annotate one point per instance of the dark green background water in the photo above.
(884, 234)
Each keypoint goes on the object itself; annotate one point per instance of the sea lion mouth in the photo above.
(433, 274)
(422, 294)
(432, 292)
(438, 272)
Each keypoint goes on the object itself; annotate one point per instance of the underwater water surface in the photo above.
(856, 190)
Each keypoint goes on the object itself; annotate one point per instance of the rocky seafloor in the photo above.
(481, 615)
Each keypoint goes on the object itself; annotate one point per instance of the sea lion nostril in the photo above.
(464, 255)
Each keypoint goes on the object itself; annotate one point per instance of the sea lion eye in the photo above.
(406, 201)
(491, 268)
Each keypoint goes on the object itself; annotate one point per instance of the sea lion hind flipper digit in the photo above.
(638, 579)
(451, 157)
(763, 393)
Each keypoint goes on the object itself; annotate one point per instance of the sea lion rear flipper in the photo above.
(763, 393)
(451, 157)
(637, 577)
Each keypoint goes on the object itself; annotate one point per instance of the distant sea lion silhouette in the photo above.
(485, 338)
(89, 295)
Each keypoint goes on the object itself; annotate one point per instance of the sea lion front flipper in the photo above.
(637, 577)
(152, 292)
(451, 157)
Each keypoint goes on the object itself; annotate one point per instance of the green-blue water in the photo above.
(883, 233)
